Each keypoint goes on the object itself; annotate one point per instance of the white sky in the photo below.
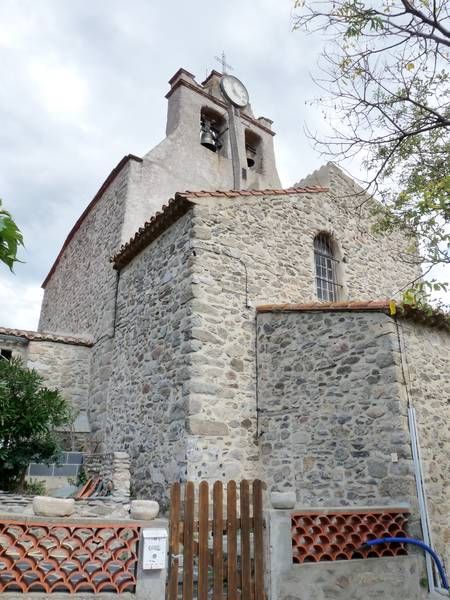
(83, 84)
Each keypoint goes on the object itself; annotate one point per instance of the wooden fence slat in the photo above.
(245, 541)
(203, 554)
(188, 547)
(258, 539)
(232, 541)
(218, 540)
(172, 587)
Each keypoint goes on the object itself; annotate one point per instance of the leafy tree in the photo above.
(10, 238)
(29, 412)
(385, 78)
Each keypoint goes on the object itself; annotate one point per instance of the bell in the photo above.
(207, 140)
(250, 157)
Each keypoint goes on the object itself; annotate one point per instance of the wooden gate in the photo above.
(220, 557)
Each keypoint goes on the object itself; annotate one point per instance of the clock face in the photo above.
(234, 90)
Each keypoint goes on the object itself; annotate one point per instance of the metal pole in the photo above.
(421, 496)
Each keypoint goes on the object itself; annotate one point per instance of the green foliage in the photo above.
(34, 488)
(386, 92)
(82, 477)
(10, 239)
(418, 299)
(29, 413)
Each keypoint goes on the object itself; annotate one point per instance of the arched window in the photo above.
(326, 268)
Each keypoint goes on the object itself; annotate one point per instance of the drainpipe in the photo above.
(418, 470)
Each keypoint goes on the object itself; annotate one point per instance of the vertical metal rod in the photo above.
(417, 460)
(233, 117)
(418, 472)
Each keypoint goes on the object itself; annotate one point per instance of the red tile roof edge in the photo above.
(436, 318)
(37, 336)
(178, 206)
(364, 305)
(314, 189)
(160, 221)
(89, 207)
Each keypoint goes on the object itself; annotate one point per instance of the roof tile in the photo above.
(37, 336)
(177, 206)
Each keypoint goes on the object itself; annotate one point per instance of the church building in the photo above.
(215, 325)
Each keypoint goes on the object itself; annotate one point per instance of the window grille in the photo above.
(326, 265)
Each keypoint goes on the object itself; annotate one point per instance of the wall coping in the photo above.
(431, 317)
(31, 520)
(38, 336)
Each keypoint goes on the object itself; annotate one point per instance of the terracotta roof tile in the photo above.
(175, 208)
(178, 206)
(265, 192)
(36, 336)
(326, 306)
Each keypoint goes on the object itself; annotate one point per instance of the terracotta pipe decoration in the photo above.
(49, 557)
(339, 535)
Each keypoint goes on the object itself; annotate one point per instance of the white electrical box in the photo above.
(155, 548)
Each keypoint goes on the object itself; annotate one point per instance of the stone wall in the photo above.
(254, 250)
(427, 371)
(16, 503)
(147, 390)
(65, 367)
(79, 297)
(107, 507)
(333, 424)
(384, 578)
(17, 345)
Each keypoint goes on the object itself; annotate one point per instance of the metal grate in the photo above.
(330, 536)
(326, 280)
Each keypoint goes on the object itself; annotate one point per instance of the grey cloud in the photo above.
(53, 163)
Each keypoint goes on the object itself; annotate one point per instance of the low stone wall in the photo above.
(16, 503)
(384, 578)
(389, 578)
(114, 467)
(108, 507)
(134, 582)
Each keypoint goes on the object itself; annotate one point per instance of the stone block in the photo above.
(283, 500)
(144, 510)
(201, 427)
(45, 506)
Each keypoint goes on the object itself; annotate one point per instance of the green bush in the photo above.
(29, 413)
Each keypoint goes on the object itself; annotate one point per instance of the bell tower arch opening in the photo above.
(253, 151)
(213, 131)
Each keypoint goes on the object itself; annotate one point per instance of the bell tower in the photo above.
(215, 119)
(213, 142)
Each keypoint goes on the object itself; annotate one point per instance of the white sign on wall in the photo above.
(155, 548)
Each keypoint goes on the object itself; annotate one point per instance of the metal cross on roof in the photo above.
(223, 62)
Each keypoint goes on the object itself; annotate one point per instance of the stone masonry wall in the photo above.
(333, 423)
(427, 360)
(256, 250)
(147, 388)
(65, 367)
(79, 298)
(17, 345)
